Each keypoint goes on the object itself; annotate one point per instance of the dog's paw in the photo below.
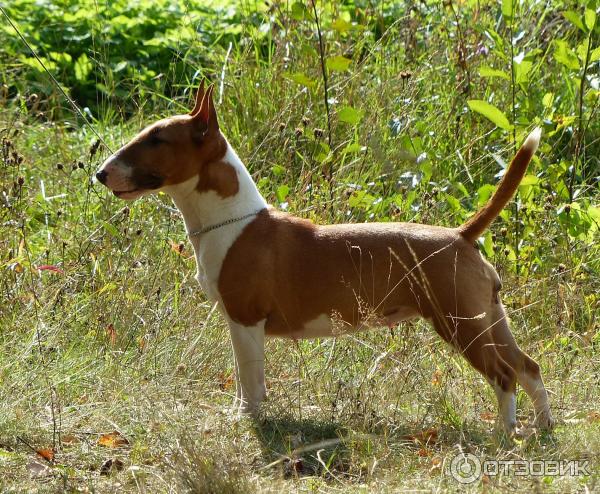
(241, 409)
(544, 420)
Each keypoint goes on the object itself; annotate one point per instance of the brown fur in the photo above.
(507, 187)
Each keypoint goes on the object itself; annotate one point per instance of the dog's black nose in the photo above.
(101, 176)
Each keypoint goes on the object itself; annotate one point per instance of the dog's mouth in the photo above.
(129, 194)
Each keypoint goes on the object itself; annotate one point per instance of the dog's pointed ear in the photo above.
(206, 115)
(199, 97)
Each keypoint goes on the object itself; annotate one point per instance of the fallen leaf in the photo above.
(424, 452)
(488, 416)
(593, 417)
(69, 439)
(428, 436)
(436, 379)
(226, 381)
(436, 463)
(46, 453)
(178, 247)
(51, 268)
(142, 342)
(112, 440)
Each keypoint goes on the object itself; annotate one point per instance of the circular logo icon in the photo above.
(465, 468)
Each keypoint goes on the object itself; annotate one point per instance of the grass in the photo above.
(103, 327)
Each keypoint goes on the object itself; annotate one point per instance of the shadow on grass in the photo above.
(335, 450)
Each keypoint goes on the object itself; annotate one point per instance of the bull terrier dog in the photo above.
(274, 274)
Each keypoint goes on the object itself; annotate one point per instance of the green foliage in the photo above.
(490, 112)
(108, 52)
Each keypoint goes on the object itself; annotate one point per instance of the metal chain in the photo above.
(207, 229)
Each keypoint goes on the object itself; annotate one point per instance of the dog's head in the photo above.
(167, 152)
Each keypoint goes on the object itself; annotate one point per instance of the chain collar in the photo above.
(210, 228)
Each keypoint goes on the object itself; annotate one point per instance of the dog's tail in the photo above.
(479, 222)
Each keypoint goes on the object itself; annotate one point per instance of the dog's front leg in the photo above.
(249, 352)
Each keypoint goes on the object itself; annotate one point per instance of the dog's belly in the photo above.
(325, 326)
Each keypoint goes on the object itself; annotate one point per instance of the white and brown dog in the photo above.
(278, 275)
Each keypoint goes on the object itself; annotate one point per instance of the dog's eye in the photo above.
(155, 140)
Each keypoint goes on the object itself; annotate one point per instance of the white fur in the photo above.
(202, 209)
(533, 140)
(318, 327)
(249, 352)
(322, 325)
(507, 405)
(534, 387)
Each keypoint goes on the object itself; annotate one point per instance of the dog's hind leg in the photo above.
(526, 369)
(472, 338)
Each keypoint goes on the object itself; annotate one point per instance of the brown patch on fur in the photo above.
(219, 176)
(354, 271)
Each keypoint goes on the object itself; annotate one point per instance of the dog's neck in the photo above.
(208, 208)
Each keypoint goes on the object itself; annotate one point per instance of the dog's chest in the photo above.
(210, 256)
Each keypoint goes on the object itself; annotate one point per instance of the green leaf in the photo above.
(453, 202)
(489, 72)
(341, 25)
(110, 228)
(350, 115)
(300, 11)
(61, 57)
(508, 8)
(590, 19)
(120, 66)
(529, 180)
(361, 199)
(488, 245)
(564, 55)
(548, 100)
(278, 170)
(353, 147)
(83, 67)
(522, 71)
(574, 19)
(300, 78)
(338, 63)
(595, 55)
(484, 193)
(282, 192)
(594, 213)
(582, 49)
(490, 112)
